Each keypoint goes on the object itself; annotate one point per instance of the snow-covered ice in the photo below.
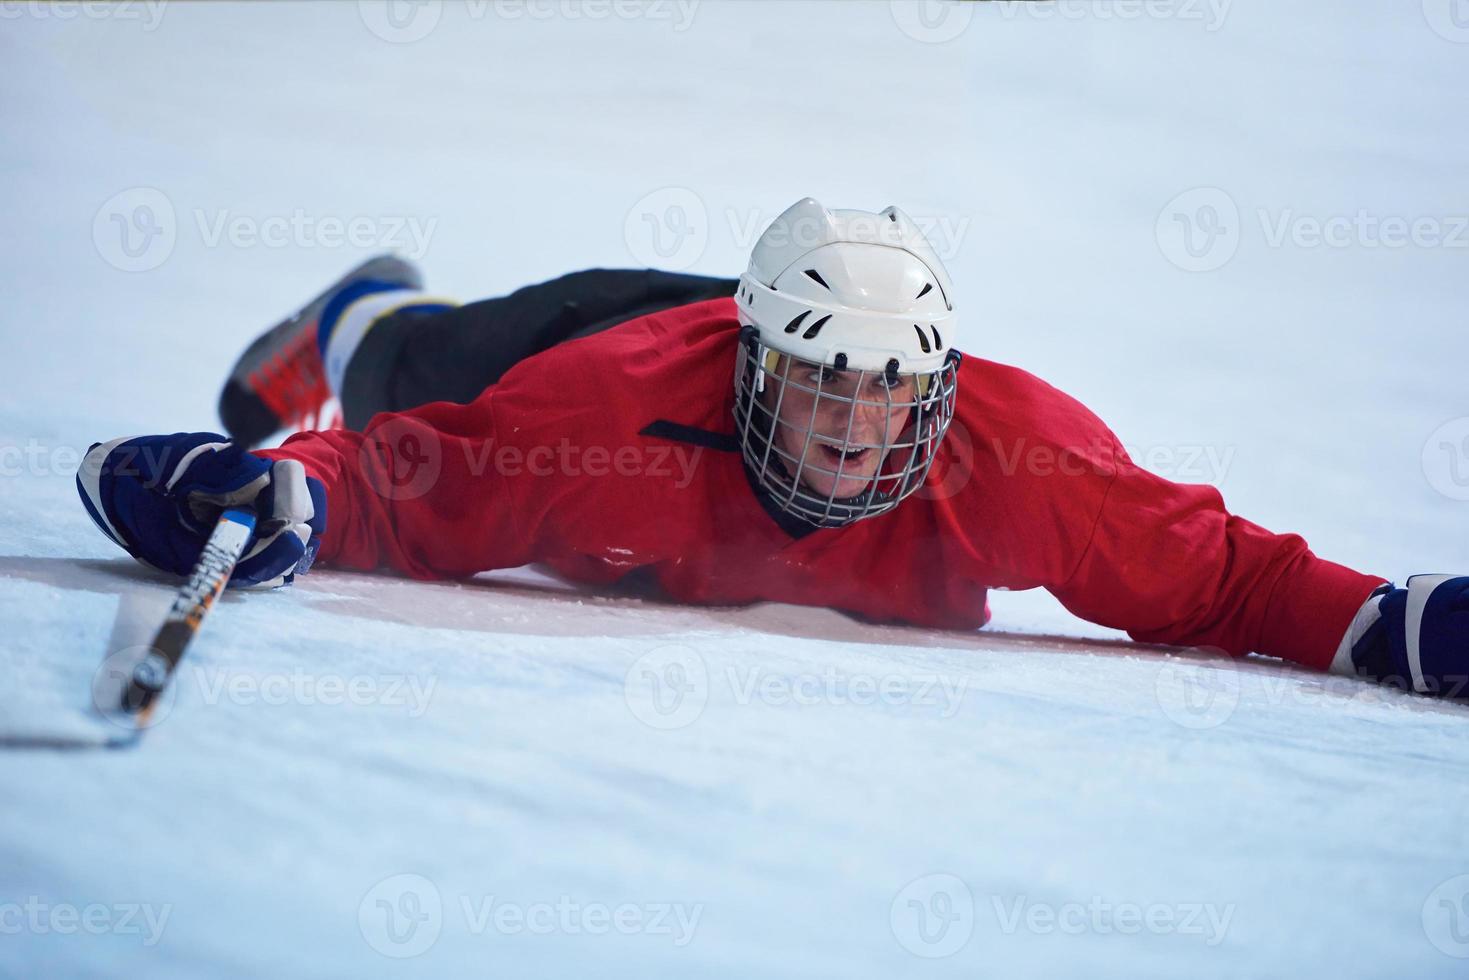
(509, 777)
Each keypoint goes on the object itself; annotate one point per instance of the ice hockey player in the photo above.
(808, 433)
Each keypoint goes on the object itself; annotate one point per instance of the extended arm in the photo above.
(1169, 564)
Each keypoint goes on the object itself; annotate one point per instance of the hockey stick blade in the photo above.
(207, 580)
(148, 679)
(69, 743)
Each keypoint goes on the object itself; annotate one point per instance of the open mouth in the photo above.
(844, 455)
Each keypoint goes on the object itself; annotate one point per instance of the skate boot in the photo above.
(279, 382)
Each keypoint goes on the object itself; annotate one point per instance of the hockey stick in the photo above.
(150, 677)
(224, 548)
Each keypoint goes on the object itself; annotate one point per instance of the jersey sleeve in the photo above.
(1168, 563)
(419, 492)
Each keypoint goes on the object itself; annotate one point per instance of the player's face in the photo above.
(839, 435)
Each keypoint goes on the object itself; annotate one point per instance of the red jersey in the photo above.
(614, 453)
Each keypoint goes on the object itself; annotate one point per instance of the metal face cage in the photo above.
(795, 422)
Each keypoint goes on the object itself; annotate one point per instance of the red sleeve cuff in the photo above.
(1310, 610)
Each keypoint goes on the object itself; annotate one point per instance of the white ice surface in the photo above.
(1322, 819)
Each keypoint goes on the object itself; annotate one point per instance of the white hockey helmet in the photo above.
(862, 296)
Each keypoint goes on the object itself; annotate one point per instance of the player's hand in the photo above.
(1420, 640)
(159, 497)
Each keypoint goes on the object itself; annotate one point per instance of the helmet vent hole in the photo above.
(927, 288)
(938, 342)
(815, 277)
(815, 328)
(795, 324)
(922, 339)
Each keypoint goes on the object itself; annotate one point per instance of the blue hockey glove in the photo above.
(159, 497)
(1419, 640)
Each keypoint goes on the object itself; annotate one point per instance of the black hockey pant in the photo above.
(411, 359)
